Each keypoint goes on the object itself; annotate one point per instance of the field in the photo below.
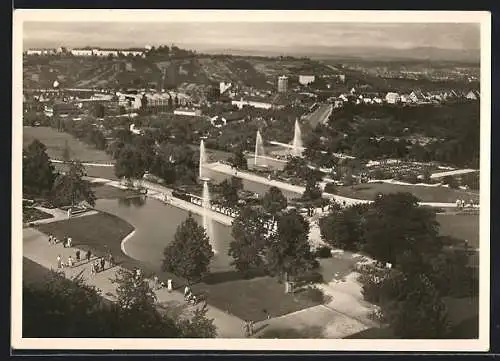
(33, 214)
(425, 194)
(462, 226)
(55, 142)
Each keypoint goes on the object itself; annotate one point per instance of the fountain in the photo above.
(297, 145)
(203, 159)
(259, 147)
(207, 221)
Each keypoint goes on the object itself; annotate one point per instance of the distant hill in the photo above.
(387, 54)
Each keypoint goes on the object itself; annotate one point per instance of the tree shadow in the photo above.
(230, 276)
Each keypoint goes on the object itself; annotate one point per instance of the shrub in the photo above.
(309, 278)
(324, 252)
(450, 181)
(314, 294)
(330, 188)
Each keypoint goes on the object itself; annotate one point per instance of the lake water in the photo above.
(155, 225)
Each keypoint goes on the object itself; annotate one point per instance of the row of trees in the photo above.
(40, 179)
(170, 159)
(395, 229)
(74, 309)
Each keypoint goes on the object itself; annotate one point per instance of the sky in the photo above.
(222, 35)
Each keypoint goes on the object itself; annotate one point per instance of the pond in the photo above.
(155, 225)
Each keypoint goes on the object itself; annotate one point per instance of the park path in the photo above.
(223, 168)
(37, 248)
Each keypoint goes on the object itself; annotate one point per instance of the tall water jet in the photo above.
(202, 158)
(207, 221)
(259, 147)
(297, 144)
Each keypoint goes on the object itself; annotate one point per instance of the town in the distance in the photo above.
(169, 192)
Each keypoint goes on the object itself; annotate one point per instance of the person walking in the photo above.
(252, 328)
(59, 261)
(88, 256)
(247, 329)
(103, 263)
(92, 269)
(77, 255)
(169, 285)
(70, 242)
(70, 261)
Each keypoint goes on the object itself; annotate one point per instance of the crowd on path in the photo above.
(99, 265)
(461, 204)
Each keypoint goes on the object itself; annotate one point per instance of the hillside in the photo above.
(162, 72)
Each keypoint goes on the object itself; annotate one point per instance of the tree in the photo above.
(289, 252)
(344, 228)
(312, 191)
(229, 193)
(274, 200)
(237, 183)
(250, 239)
(396, 223)
(419, 313)
(75, 309)
(190, 253)
(66, 155)
(99, 110)
(70, 188)
(38, 171)
(238, 160)
(130, 163)
(450, 181)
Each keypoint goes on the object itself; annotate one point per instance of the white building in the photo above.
(105, 53)
(223, 87)
(282, 84)
(82, 52)
(188, 111)
(392, 98)
(471, 95)
(256, 103)
(132, 52)
(34, 52)
(306, 79)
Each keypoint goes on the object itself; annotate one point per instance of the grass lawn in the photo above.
(247, 299)
(462, 226)
(33, 214)
(55, 142)
(103, 191)
(425, 194)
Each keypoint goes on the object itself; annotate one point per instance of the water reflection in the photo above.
(155, 224)
(136, 201)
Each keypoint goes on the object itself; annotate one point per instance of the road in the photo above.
(320, 115)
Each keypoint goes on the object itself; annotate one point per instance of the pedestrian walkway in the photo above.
(59, 215)
(223, 168)
(37, 248)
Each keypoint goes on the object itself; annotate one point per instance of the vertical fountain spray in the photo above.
(259, 147)
(297, 145)
(202, 158)
(207, 221)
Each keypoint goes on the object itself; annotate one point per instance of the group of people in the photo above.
(189, 297)
(461, 203)
(72, 262)
(67, 241)
(97, 266)
(249, 328)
